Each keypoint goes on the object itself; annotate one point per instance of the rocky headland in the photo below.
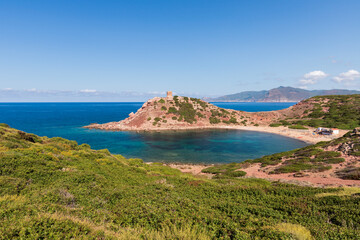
(184, 113)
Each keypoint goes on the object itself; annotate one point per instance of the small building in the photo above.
(335, 131)
(327, 131)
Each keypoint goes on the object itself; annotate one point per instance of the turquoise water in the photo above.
(207, 146)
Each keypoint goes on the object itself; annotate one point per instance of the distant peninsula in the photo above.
(280, 94)
(298, 121)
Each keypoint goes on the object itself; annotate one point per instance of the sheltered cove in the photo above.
(183, 113)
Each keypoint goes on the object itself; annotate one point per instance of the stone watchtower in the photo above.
(169, 95)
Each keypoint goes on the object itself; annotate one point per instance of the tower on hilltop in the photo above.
(169, 95)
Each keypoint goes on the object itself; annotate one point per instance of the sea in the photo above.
(198, 147)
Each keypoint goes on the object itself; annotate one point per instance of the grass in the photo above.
(297, 231)
(53, 188)
(298, 127)
(346, 191)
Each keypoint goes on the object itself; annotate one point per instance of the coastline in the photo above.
(302, 135)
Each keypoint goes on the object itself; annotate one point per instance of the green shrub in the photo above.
(214, 120)
(235, 173)
(285, 123)
(328, 160)
(200, 115)
(275, 125)
(172, 110)
(352, 173)
(297, 127)
(233, 120)
(212, 170)
(296, 167)
(4, 125)
(163, 108)
(161, 101)
(328, 154)
(187, 111)
(357, 154)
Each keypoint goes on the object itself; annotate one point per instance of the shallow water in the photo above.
(205, 146)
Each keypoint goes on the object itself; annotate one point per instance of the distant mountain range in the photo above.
(280, 94)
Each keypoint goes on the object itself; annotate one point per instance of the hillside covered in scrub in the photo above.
(335, 111)
(330, 162)
(53, 188)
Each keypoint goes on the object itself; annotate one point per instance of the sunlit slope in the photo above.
(55, 188)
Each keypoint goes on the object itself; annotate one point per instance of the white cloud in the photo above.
(304, 87)
(32, 90)
(307, 81)
(88, 91)
(156, 93)
(348, 76)
(312, 77)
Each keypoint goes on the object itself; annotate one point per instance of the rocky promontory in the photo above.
(298, 121)
(188, 113)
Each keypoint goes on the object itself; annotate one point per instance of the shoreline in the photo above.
(306, 136)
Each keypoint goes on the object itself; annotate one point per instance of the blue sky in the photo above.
(198, 47)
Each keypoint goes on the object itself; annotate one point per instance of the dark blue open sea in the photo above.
(208, 146)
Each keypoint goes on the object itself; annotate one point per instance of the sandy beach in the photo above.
(307, 136)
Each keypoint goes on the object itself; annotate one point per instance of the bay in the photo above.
(206, 146)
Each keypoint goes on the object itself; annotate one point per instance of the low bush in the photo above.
(235, 174)
(352, 173)
(173, 110)
(295, 167)
(329, 160)
(328, 154)
(214, 120)
(297, 127)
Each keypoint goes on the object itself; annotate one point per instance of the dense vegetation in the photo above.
(191, 109)
(335, 111)
(313, 158)
(57, 189)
